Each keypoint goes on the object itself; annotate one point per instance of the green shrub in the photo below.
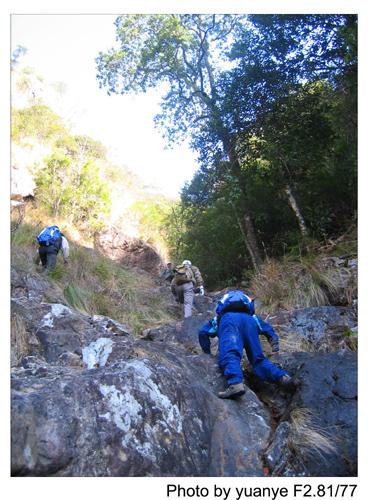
(76, 297)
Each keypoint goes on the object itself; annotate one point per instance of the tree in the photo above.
(214, 235)
(152, 212)
(293, 139)
(270, 104)
(185, 53)
(72, 189)
(80, 147)
(289, 100)
(37, 121)
(290, 70)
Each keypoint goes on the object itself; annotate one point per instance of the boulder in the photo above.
(317, 325)
(127, 250)
(146, 409)
(321, 419)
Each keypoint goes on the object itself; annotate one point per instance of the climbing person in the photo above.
(168, 273)
(186, 282)
(238, 328)
(51, 240)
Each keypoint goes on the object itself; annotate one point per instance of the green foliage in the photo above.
(70, 181)
(152, 213)
(266, 102)
(80, 147)
(210, 238)
(72, 189)
(175, 50)
(295, 131)
(37, 121)
(175, 227)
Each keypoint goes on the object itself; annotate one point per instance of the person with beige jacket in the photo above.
(186, 282)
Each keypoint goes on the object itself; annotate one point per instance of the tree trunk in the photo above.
(295, 207)
(246, 225)
(246, 230)
(253, 248)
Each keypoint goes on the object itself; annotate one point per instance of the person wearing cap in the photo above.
(186, 282)
(168, 273)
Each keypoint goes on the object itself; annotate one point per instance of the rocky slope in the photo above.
(90, 399)
(127, 250)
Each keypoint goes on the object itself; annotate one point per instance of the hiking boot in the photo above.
(232, 391)
(287, 383)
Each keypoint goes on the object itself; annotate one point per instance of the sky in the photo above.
(63, 48)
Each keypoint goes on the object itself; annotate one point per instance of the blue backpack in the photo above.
(50, 236)
(235, 301)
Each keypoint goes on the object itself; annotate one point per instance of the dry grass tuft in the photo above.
(19, 340)
(297, 282)
(294, 342)
(306, 439)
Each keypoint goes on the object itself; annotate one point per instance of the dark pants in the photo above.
(239, 331)
(48, 257)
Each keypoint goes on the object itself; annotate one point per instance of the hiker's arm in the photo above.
(270, 334)
(65, 248)
(204, 341)
(207, 331)
(198, 277)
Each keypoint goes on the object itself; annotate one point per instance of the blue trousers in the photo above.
(239, 331)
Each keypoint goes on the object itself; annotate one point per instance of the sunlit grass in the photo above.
(297, 282)
(94, 284)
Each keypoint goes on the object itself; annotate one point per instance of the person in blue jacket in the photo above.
(51, 240)
(238, 328)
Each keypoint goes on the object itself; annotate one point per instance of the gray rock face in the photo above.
(330, 391)
(318, 324)
(151, 410)
(326, 407)
(89, 399)
(127, 250)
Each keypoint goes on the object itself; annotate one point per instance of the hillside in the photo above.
(108, 377)
(70, 177)
(94, 284)
(107, 380)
